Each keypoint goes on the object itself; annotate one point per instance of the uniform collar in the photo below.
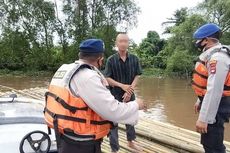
(206, 54)
(82, 62)
(103, 80)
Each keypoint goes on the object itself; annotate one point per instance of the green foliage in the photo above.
(182, 35)
(149, 48)
(217, 11)
(98, 19)
(153, 72)
(180, 50)
(13, 49)
(178, 17)
(177, 54)
(180, 62)
(38, 35)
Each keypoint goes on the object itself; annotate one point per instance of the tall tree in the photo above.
(99, 18)
(180, 50)
(179, 17)
(217, 11)
(51, 31)
(33, 19)
(149, 48)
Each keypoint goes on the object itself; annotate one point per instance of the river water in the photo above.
(168, 100)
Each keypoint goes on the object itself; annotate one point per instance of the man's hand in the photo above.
(126, 97)
(127, 88)
(142, 105)
(201, 127)
(197, 107)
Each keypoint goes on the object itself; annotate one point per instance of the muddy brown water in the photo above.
(169, 100)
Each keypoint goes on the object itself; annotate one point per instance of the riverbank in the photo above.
(161, 73)
(6, 72)
(147, 72)
(154, 72)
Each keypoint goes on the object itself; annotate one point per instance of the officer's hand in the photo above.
(142, 105)
(197, 107)
(127, 88)
(201, 127)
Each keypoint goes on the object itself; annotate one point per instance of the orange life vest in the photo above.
(68, 113)
(200, 78)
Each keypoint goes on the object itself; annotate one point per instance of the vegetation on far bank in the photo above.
(178, 54)
(153, 72)
(36, 37)
(19, 73)
(147, 72)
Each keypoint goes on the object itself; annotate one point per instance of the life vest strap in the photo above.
(72, 133)
(75, 119)
(64, 103)
(201, 75)
(56, 131)
(200, 61)
(226, 87)
(228, 50)
(83, 66)
(195, 84)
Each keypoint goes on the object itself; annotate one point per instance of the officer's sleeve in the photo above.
(99, 99)
(218, 69)
(108, 69)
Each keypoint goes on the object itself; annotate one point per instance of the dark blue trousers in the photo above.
(213, 140)
(70, 146)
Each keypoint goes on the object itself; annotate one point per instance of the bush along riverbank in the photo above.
(6, 72)
(161, 73)
(147, 72)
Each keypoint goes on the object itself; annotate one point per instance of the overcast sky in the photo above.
(153, 13)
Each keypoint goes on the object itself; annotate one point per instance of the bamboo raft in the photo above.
(152, 136)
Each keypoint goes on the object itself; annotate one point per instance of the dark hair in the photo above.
(216, 35)
(90, 56)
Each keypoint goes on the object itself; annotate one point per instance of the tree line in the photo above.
(177, 54)
(43, 34)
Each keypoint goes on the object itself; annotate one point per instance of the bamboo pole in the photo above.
(167, 139)
(148, 146)
(179, 131)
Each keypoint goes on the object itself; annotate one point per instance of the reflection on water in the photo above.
(169, 100)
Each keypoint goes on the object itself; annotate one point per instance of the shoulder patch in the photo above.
(212, 64)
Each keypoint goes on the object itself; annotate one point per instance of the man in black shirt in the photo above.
(122, 72)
